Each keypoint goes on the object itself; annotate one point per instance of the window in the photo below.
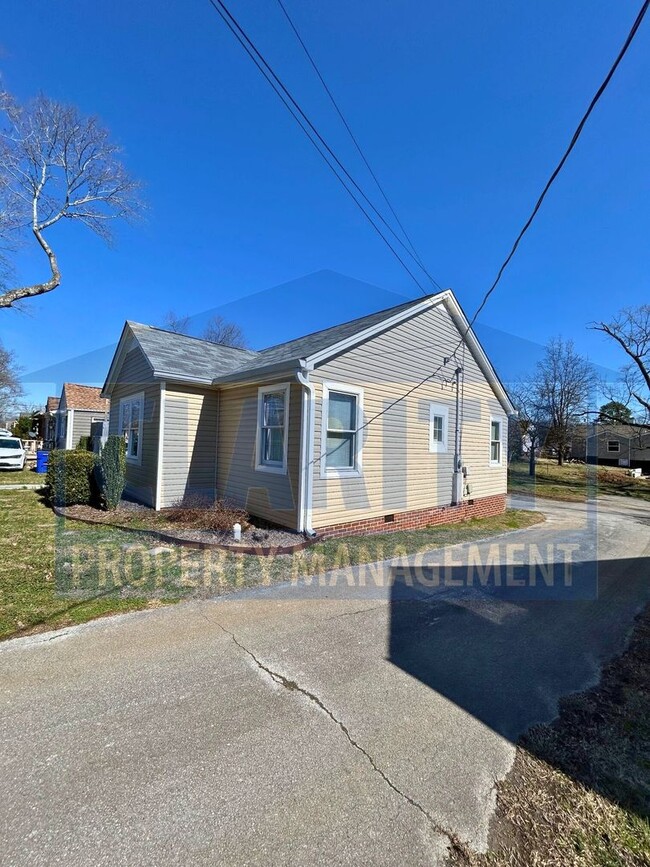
(131, 413)
(272, 417)
(341, 445)
(613, 446)
(496, 430)
(438, 423)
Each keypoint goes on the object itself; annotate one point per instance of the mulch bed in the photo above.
(135, 518)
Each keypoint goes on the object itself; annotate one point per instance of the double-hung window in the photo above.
(272, 418)
(613, 446)
(496, 441)
(438, 425)
(131, 415)
(341, 441)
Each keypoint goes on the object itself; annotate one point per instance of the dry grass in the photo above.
(199, 513)
(579, 791)
(574, 482)
(56, 571)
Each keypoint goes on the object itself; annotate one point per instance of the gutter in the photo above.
(306, 451)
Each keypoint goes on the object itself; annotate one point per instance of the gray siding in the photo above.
(189, 443)
(135, 376)
(82, 420)
(268, 495)
(399, 473)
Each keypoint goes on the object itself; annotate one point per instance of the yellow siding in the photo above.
(268, 495)
(189, 461)
(135, 377)
(399, 473)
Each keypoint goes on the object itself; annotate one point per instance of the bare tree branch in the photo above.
(56, 165)
(630, 329)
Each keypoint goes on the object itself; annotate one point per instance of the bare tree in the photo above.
(532, 417)
(631, 330)
(10, 385)
(56, 165)
(220, 330)
(178, 324)
(561, 390)
(217, 329)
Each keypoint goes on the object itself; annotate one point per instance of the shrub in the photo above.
(69, 477)
(112, 471)
(202, 513)
(85, 444)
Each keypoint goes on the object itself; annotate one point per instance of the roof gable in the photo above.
(179, 357)
(76, 396)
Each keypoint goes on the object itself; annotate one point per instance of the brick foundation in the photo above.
(486, 507)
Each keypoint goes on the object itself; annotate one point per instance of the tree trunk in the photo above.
(560, 457)
(10, 297)
(531, 463)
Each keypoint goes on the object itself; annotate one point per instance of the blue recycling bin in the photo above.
(42, 457)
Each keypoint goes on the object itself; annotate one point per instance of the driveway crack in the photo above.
(292, 686)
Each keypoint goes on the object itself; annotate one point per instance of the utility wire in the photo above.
(565, 156)
(310, 131)
(338, 110)
(263, 66)
(527, 224)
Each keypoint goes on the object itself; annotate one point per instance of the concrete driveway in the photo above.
(338, 723)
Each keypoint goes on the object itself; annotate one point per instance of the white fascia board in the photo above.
(373, 330)
(460, 320)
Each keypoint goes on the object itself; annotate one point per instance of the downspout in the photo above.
(306, 452)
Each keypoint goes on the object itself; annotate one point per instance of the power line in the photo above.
(565, 156)
(306, 125)
(338, 110)
(527, 224)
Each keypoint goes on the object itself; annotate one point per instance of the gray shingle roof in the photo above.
(177, 355)
(303, 347)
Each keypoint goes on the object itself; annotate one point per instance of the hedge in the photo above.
(70, 477)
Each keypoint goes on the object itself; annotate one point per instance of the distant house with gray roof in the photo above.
(342, 430)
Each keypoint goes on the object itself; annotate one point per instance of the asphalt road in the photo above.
(339, 722)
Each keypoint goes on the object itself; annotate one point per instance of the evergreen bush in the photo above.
(112, 471)
(69, 478)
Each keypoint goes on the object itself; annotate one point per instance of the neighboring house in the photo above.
(79, 406)
(48, 433)
(281, 431)
(619, 445)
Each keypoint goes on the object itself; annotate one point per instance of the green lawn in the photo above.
(574, 482)
(21, 477)
(55, 571)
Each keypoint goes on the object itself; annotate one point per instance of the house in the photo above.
(619, 445)
(48, 431)
(316, 434)
(78, 408)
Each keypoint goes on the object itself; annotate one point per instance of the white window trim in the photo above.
(438, 409)
(260, 467)
(132, 398)
(615, 451)
(498, 463)
(341, 472)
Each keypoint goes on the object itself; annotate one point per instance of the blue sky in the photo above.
(462, 108)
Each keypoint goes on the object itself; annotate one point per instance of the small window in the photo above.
(613, 446)
(273, 412)
(438, 424)
(131, 413)
(341, 438)
(495, 442)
